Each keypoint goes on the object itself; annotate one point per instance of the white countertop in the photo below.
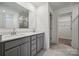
(12, 37)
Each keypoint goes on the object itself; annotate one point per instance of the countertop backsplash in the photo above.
(5, 31)
(18, 31)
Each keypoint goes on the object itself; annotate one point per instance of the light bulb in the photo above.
(3, 11)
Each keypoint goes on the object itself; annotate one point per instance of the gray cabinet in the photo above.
(33, 53)
(40, 42)
(1, 49)
(25, 46)
(33, 45)
(18, 47)
(12, 52)
(22, 50)
(25, 49)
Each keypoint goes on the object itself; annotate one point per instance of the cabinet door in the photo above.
(12, 52)
(25, 49)
(33, 45)
(40, 42)
(1, 48)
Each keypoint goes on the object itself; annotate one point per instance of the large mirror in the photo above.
(13, 15)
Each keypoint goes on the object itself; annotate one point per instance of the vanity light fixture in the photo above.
(3, 11)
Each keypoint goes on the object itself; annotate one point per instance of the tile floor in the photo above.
(60, 50)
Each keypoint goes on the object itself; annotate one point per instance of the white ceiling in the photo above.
(13, 6)
(37, 4)
(59, 5)
(55, 5)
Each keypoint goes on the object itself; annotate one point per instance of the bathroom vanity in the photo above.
(22, 45)
(18, 36)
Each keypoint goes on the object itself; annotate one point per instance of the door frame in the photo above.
(50, 28)
(57, 26)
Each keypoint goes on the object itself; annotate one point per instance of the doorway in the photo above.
(65, 29)
(51, 17)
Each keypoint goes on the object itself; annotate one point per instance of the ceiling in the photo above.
(37, 4)
(55, 5)
(13, 6)
(59, 5)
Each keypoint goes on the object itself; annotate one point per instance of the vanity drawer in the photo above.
(33, 37)
(25, 39)
(12, 44)
(16, 42)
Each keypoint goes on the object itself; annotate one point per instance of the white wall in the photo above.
(74, 10)
(75, 39)
(43, 22)
(39, 19)
(32, 20)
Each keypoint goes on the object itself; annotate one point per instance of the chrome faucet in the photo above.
(14, 32)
